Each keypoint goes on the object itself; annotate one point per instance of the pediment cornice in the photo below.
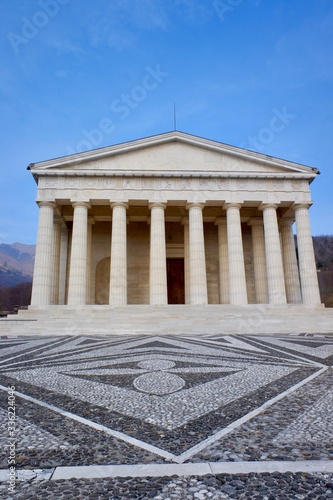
(178, 174)
(78, 164)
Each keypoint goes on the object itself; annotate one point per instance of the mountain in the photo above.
(16, 263)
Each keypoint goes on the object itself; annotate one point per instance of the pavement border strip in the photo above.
(160, 470)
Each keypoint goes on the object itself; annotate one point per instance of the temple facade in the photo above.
(173, 219)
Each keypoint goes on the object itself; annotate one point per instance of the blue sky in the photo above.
(73, 71)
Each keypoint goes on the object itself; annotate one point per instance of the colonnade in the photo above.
(277, 277)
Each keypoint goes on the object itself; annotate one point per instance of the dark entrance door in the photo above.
(176, 283)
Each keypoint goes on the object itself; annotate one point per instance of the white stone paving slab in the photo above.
(159, 470)
(310, 466)
(141, 470)
(28, 475)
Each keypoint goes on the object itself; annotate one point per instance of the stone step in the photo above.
(154, 320)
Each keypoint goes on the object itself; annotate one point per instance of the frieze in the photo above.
(222, 184)
(107, 183)
(51, 182)
(147, 183)
(206, 183)
(260, 185)
(278, 185)
(242, 184)
(295, 185)
(72, 183)
(92, 183)
(173, 184)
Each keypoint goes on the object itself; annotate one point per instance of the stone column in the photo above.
(57, 222)
(63, 264)
(291, 275)
(237, 279)
(221, 223)
(77, 289)
(42, 279)
(275, 274)
(185, 223)
(118, 264)
(198, 279)
(157, 265)
(306, 257)
(91, 222)
(259, 260)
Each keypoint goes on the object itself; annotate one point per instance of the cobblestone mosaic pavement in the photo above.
(173, 411)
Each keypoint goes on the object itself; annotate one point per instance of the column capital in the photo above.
(185, 221)
(297, 206)
(255, 221)
(194, 204)
(267, 206)
(157, 204)
(220, 221)
(114, 204)
(91, 220)
(85, 204)
(51, 204)
(286, 221)
(232, 204)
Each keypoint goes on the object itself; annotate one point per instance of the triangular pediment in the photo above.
(174, 152)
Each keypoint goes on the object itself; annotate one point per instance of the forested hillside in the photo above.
(323, 246)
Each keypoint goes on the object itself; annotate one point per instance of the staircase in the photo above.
(169, 320)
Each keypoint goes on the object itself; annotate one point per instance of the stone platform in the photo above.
(172, 319)
(210, 416)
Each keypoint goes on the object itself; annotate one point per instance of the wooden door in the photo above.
(176, 282)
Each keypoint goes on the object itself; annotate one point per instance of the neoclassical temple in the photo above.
(173, 219)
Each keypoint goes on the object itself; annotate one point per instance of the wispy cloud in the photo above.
(69, 47)
(115, 24)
